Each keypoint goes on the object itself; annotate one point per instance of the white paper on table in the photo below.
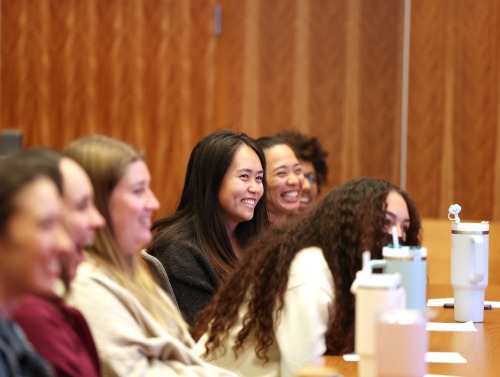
(445, 357)
(438, 375)
(441, 301)
(430, 357)
(446, 326)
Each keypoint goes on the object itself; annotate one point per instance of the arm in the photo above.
(303, 322)
(193, 278)
(130, 342)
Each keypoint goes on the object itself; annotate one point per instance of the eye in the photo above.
(387, 223)
(244, 176)
(298, 171)
(405, 229)
(259, 178)
(281, 174)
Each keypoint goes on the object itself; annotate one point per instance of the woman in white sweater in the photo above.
(289, 302)
(137, 329)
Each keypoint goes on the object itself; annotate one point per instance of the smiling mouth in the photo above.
(249, 202)
(290, 196)
(305, 200)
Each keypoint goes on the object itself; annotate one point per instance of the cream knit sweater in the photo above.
(130, 342)
(299, 337)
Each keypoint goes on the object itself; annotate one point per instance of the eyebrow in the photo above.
(394, 216)
(286, 167)
(246, 170)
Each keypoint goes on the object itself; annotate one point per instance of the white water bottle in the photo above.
(374, 293)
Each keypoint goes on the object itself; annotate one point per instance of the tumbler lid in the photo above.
(404, 252)
(380, 281)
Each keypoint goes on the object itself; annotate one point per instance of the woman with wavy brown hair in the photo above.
(290, 302)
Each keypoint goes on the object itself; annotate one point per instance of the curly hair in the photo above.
(346, 222)
(308, 148)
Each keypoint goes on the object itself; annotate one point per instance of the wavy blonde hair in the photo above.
(106, 159)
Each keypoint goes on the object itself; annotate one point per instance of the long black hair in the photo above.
(198, 215)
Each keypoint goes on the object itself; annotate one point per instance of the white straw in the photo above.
(395, 240)
(366, 261)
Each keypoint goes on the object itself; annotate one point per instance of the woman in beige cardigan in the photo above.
(137, 329)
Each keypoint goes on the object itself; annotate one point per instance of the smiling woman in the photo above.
(221, 209)
(32, 240)
(137, 329)
(285, 178)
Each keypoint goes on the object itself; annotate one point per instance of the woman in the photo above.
(58, 331)
(284, 177)
(312, 158)
(137, 329)
(31, 241)
(221, 209)
(290, 302)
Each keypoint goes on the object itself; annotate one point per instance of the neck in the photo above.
(277, 219)
(8, 303)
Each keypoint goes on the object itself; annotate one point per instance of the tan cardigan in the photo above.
(130, 342)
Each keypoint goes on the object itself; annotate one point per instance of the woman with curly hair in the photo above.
(312, 158)
(290, 301)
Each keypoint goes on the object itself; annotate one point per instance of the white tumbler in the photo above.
(374, 293)
(469, 269)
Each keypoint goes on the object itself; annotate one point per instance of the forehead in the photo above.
(307, 166)
(280, 155)
(76, 182)
(38, 198)
(136, 171)
(245, 157)
(397, 205)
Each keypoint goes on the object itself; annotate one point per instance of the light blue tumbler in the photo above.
(411, 263)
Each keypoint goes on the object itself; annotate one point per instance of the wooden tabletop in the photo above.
(481, 349)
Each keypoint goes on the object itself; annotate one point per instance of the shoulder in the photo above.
(34, 310)
(309, 266)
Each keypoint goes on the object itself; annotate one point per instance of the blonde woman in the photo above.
(136, 327)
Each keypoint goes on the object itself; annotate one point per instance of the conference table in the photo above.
(481, 349)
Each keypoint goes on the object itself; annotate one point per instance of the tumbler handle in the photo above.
(478, 259)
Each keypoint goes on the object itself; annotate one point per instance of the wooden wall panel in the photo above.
(153, 74)
(454, 106)
(330, 68)
(140, 71)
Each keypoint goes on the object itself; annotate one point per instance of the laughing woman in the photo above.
(221, 209)
(285, 178)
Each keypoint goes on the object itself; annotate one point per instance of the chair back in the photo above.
(159, 274)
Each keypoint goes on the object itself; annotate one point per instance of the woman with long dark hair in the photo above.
(222, 207)
(289, 302)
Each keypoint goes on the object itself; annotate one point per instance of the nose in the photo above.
(152, 204)
(292, 179)
(96, 219)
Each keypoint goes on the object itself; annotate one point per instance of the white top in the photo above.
(301, 328)
(130, 342)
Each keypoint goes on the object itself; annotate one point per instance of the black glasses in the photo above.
(310, 177)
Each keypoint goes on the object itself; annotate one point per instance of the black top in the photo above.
(17, 357)
(193, 278)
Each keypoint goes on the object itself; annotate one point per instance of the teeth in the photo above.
(250, 202)
(305, 200)
(291, 194)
